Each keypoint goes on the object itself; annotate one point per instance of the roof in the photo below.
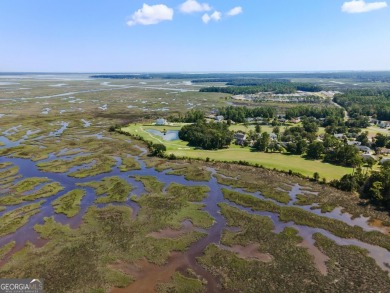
(239, 135)
(363, 147)
(384, 160)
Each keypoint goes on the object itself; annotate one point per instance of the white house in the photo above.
(161, 121)
(353, 142)
(383, 151)
(384, 160)
(367, 157)
(363, 149)
(273, 136)
(384, 124)
(240, 138)
(338, 135)
(219, 118)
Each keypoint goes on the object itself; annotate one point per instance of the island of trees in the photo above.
(208, 136)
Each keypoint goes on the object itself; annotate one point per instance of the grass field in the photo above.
(373, 130)
(235, 153)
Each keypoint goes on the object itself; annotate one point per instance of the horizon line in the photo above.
(186, 72)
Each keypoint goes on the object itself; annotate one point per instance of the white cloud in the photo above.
(206, 18)
(360, 6)
(151, 15)
(216, 16)
(191, 6)
(234, 11)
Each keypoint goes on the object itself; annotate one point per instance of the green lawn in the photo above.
(268, 128)
(373, 130)
(270, 160)
(139, 129)
(235, 153)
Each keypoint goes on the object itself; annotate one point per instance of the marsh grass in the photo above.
(193, 172)
(84, 262)
(114, 188)
(190, 193)
(292, 267)
(5, 165)
(29, 184)
(69, 203)
(181, 284)
(266, 189)
(353, 269)
(305, 218)
(104, 164)
(5, 249)
(47, 190)
(151, 184)
(327, 197)
(13, 220)
(128, 164)
(10, 172)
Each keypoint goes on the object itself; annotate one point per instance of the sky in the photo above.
(194, 36)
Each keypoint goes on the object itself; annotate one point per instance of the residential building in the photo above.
(240, 138)
(383, 151)
(161, 121)
(353, 142)
(363, 149)
(219, 118)
(273, 136)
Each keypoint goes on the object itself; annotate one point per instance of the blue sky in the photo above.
(171, 35)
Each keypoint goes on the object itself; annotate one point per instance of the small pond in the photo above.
(168, 135)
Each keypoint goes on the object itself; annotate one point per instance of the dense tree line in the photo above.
(277, 88)
(191, 116)
(226, 77)
(238, 87)
(239, 114)
(317, 112)
(374, 186)
(207, 135)
(366, 102)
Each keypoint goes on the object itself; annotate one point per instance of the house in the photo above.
(353, 142)
(367, 157)
(161, 121)
(339, 135)
(295, 120)
(383, 151)
(374, 121)
(363, 149)
(219, 118)
(384, 124)
(384, 160)
(249, 120)
(240, 138)
(273, 136)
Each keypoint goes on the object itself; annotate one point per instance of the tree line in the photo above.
(366, 102)
(240, 87)
(208, 136)
(374, 186)
(317, 112)
(239, 114)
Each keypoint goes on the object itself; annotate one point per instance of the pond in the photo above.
(168, 135)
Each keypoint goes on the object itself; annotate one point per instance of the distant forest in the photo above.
(367, 102)
(378, 76)
(239, 87)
